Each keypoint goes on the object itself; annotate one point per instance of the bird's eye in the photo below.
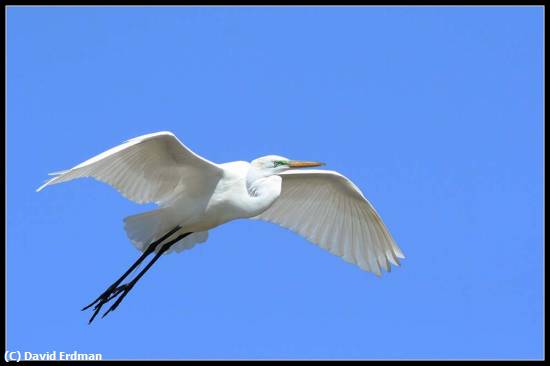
(277, 163)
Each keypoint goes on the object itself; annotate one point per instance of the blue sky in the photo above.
(435, 113)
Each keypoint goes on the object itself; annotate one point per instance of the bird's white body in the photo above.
(198, 195)
(228, 200)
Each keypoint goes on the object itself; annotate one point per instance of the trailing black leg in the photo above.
(123, 290)
(112, 290)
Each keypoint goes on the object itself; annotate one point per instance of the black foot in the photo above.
(108, 296)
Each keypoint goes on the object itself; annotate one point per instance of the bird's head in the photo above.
(274, 164)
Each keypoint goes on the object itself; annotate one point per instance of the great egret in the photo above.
(195, 195)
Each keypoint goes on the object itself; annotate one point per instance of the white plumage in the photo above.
(329, 210)
(148, 168)
(323, 206)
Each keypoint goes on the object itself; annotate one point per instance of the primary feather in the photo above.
(148, 168)
(329, 210)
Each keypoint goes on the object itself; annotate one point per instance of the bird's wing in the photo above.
(329, 210)
(148, 168)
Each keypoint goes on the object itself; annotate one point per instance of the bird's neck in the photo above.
(263, 190)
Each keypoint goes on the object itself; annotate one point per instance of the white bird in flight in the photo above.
(195, 195)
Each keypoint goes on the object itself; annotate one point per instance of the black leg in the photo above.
(112, 290)
(125, 289)
(115, 290)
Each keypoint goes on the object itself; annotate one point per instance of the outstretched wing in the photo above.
(329, 210)
(148, 168)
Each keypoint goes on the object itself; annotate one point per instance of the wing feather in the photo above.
(346, 242)
(329, 210)
(363, 263)
(337, 238)
(148, 168)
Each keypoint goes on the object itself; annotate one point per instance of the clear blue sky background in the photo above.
(436, 113)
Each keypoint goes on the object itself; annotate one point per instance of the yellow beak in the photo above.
(303, 164)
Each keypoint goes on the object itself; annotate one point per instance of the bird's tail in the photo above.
(146, 227)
